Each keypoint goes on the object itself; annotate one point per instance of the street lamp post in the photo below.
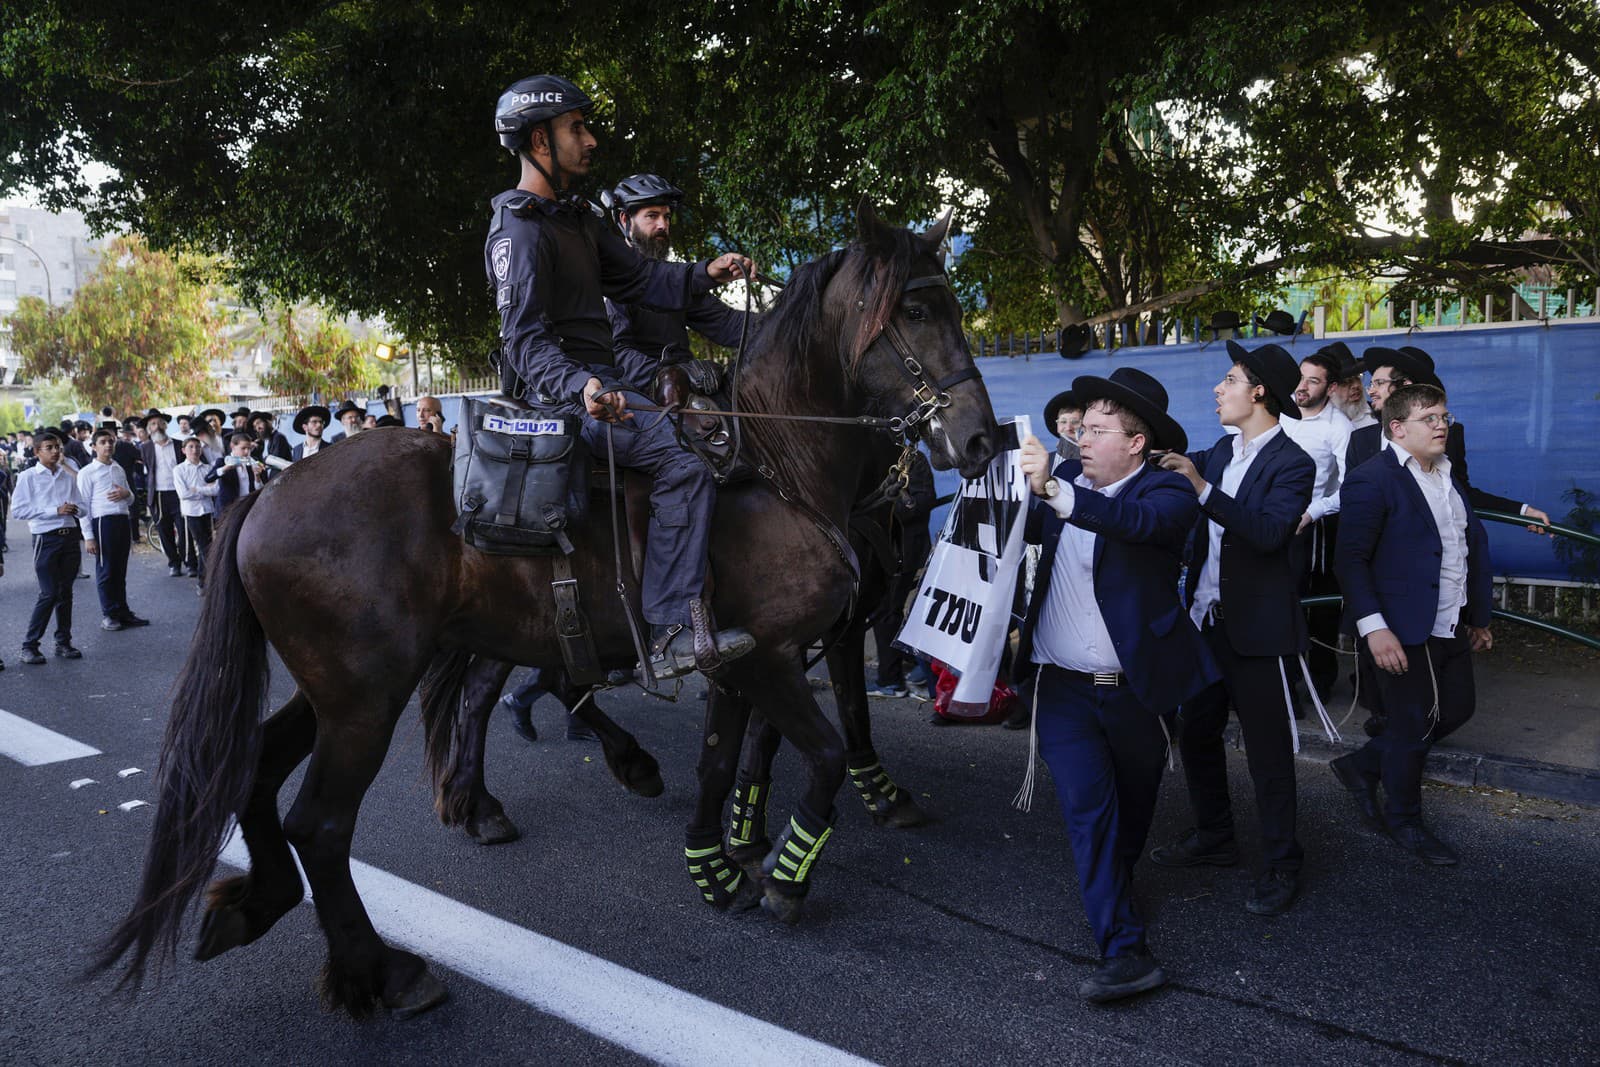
(49, 294)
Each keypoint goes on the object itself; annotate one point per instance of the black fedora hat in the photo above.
(208, 412)
(389, 420)
(1225, 320)
(1408, 363)
(241, 410)
(1064, 399)
(1141, 394)
(347, 407)
(1277, 321)
(143, 421)
(1277, 369)
(1339, 352)
(306, 412)
(1426, 360)
(1076, 339)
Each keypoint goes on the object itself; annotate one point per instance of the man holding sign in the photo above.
(1115, 652)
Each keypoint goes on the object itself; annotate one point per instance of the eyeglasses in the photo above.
(1097, 432)
(1433, 422)
(1234, 379)
(1396, 382)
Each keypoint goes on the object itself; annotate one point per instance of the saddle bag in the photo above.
(521, 477)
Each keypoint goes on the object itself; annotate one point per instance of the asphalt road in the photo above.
(958, 943)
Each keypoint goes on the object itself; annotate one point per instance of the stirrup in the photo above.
(673, 653)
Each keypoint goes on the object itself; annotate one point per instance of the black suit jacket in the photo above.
(1259, 583)
(147, 453)
(1368, 442)
(276, 445)
(228, 485)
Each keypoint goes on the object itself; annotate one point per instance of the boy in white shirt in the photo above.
(107, 526)
(46, 497)
(197, 498)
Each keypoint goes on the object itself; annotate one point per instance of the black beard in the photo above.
(650, 247)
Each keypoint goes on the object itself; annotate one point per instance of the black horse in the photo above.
(873, 328)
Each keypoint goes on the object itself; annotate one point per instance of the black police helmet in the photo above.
(532, 101)
(642, 190)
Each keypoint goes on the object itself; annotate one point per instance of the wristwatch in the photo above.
(1052, 489)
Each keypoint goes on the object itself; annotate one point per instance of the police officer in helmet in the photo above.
(644, 205)
(552, 262)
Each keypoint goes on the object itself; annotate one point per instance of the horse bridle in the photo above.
(929, 394)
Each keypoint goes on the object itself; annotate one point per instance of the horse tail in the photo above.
(208, 758)
(440, 694)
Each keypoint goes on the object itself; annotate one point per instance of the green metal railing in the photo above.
(1502, 613)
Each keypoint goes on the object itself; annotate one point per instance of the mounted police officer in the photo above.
(551, 262)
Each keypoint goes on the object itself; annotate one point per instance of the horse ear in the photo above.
(867, 223)
(934, 237)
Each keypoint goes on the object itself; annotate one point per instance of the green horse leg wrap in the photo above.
(797, 848)
(748, 831)
(876, 789)
(716, 878)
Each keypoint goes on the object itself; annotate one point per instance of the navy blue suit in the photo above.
(228, 484)
(1105, 745)
(1258, 620)
(1366, 443)
(1388, 560)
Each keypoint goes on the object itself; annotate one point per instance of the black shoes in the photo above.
(1273, 892)
(1363, 788)
(524, 719)
(672, 649)
(66, 651)
(578, 730)
(32, 657)
(130, 619)
(1191, 850)
(174, 571)
(1122, 976)
(111, 625)
(1418, 840)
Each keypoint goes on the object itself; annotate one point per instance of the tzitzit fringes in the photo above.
(716, 878)
(877, 790)
(749, 825)
(797, 849)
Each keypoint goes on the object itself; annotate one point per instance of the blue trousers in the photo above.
(681, 503)
(56, 556)
(524, 696)
(113, 536)
(1106, 752)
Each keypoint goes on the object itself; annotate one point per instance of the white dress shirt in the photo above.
(310, 447)
(165, 462)
(1209, 589)
(95, 483)
(1071, 632)
(39, 493)
(196, 496)
(1449, 514)
(1325, 436)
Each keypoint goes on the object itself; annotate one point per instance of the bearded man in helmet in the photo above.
(552, 263)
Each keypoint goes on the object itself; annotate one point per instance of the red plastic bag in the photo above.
(1001, 700)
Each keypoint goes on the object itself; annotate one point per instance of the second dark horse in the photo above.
(870, 329)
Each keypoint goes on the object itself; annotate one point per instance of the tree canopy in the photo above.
(1105, 154)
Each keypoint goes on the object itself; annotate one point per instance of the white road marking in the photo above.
(626, 1008)
(32, 745)
(128, 772)
(79, 783)
(129, 805)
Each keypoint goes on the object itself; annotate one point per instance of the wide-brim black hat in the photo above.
(1064, 399)
(346, 407)
(143, 421)
(1277, 369)
(1339, 352)
(1408, 363)
(1279, 322)
(305, 413)
(1225, 320)
(208, 412)
(1140, 394)
(389, 420)
(242, 410)
(1427, 360)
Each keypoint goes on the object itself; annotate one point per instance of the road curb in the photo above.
(1552, 781)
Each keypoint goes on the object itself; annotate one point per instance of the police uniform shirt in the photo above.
(1449, 514)
(1071, 632)
(95, 482)
(1208, 590)
(1324, 436)
(552, 264)
(40, 493)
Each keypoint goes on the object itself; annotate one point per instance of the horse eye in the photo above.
(916, 312)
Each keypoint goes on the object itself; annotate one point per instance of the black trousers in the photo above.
(1254, 686)
(113, 536)
(1315, 549)
(56, 556)
(198, 528)
(169, 525)
(915, 544)
(1399, 752)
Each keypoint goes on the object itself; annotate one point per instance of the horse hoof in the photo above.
(746, 897)
(902, 815)
(220, 930)
(637, 771)
(780, 906)
(493, 830)
(750, 858)
(424, 992)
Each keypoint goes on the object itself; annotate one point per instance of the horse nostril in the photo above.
(979, 449)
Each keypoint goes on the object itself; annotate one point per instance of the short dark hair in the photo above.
(187, 441)
(1408, 398)
(1268, 401)
(1329, 365)
(1131, 423)
(241, 435)
(103, 432)
(47, 435)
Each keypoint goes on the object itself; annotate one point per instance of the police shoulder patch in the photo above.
(500, 257)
